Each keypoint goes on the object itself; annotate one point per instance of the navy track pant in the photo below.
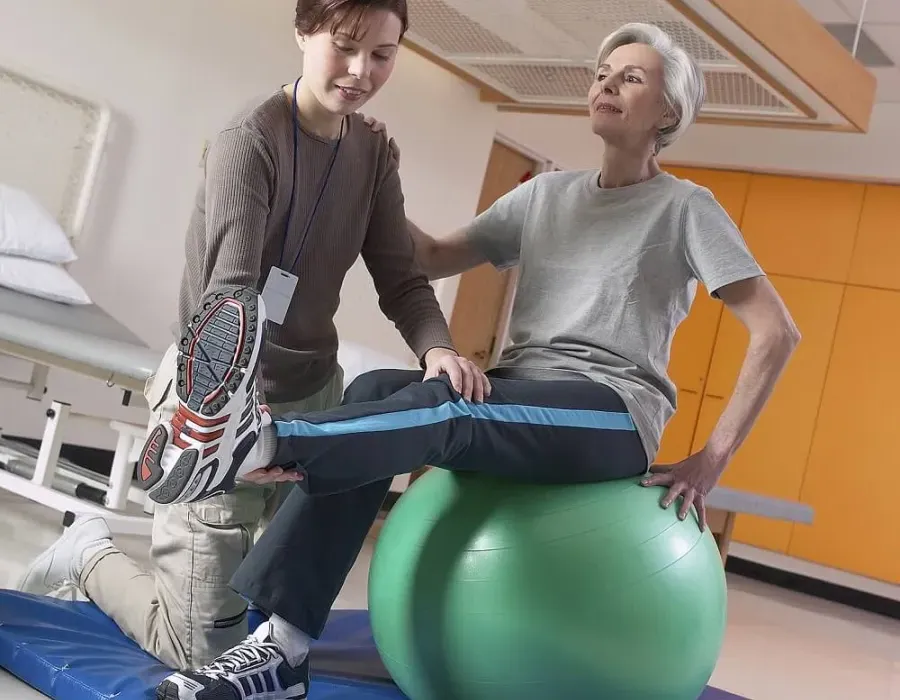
(392, 423)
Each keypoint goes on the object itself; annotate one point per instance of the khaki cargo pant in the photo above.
(182, 610)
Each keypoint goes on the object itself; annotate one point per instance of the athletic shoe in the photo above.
(255, 669)
(198, 453)
(62, 562)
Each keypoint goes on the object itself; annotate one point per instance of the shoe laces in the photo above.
(251, 652)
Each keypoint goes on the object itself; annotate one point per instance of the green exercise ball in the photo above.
(487, 589)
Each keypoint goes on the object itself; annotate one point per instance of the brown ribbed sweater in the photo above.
(236, 234)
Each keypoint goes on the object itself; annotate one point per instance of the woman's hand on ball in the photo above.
(692, 479)
(466, 377)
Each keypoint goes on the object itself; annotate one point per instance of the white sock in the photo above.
(263, 451)
(291, 640)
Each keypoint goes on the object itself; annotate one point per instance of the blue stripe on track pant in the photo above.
(393, 423)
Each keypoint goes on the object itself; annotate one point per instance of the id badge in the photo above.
(277, 294)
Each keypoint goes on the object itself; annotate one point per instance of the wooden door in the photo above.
(482, 291)
(483, 294)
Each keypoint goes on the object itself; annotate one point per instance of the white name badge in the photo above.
(277, 294)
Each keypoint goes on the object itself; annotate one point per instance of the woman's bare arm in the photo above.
(446, 256)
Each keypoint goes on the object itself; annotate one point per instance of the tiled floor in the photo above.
(779, 645)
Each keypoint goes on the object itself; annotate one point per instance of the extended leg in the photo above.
(551, 431)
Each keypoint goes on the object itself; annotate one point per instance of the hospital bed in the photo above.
(86, 340)
(53, 140)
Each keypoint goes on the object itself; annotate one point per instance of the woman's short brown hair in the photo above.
(344, 15)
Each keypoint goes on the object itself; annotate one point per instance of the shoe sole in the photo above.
(217, 352)
(167, 690)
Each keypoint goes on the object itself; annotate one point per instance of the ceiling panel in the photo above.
(451, 31)
(868, 51)
(887, 36)
(827, 10)
(541, 82)
(878, 11)
(589, 21)
(888, 84)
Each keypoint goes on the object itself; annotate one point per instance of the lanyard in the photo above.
(323, 185)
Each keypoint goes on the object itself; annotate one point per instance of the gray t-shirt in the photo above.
(607, 275)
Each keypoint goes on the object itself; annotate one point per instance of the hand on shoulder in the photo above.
(380, 127)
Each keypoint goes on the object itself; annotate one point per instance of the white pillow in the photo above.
(28, 230)
(41, 279)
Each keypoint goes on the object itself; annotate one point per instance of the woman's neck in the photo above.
(623, 167)
(312, 115)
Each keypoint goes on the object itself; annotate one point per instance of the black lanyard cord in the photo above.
(296, 128)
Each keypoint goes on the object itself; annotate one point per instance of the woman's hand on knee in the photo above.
(467, 378)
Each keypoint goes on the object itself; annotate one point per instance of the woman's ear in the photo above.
(300, 38)
(669, 119)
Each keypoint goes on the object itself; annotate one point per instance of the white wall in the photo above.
(173, 72)
(876, 154)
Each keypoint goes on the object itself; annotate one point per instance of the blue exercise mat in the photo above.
(72, 651)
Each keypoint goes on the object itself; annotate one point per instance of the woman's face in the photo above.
(627, 103)
(344, 72)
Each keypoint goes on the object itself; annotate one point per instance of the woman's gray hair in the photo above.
(685, 88)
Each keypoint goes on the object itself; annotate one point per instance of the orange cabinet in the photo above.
(876, 257)
(803, 227)
(850, 477)
(679, 433)
(773, 458)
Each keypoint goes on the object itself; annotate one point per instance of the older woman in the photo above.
(609, 265)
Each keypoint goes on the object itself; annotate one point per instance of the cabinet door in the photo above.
(693, 343)
(851, 476)
(679, 433)
(728, 186)
(876, 257)
(803, 227)
(773, 458)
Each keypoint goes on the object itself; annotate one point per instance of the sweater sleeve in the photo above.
(405, 295)
(239, 177)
